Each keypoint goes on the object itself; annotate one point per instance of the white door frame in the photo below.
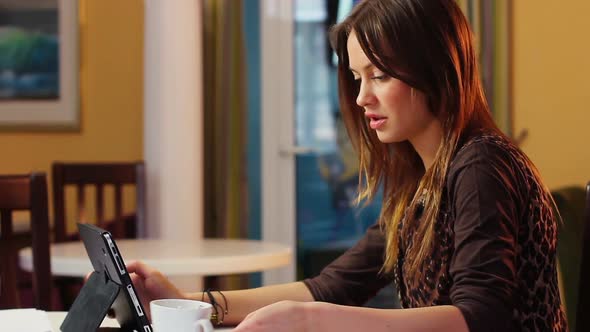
(278, 138)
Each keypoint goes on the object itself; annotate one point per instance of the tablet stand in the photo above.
(92, 304)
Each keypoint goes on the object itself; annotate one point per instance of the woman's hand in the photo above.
(151, 284)
(285, 316)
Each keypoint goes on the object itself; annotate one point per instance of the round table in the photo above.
(173, 258)
(57, 317)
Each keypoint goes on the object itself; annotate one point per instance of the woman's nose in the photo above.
(364, 97)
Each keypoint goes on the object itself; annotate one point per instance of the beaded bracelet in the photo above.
(219, 311)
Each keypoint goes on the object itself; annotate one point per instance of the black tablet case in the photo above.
(109, 286)
(91, 304)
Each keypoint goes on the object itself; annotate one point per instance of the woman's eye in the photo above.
(379, 77)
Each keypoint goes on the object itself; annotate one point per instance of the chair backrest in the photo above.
(99, 175)
(583, 308)
(570, 201)
(24, 192)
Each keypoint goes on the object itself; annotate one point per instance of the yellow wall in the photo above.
(552, 87)
(111, 41)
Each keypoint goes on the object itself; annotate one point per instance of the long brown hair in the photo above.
(428, 45)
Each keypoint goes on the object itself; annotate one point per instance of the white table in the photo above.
(200, 257)
(57, 317)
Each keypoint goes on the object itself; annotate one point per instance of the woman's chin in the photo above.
(388, 138)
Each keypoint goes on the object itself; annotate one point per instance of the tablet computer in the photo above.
(107, 259)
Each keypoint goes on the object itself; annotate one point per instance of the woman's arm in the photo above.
(290, 316)
(351, 279)
(151, 284)
(354, 277)
(327, 317)
(243, 302)
(484, 184)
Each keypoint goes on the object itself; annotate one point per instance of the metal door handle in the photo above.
(295, 150)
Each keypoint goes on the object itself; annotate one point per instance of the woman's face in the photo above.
(392, 108)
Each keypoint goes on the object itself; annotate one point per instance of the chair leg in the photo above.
(67, 289)
(8, 295)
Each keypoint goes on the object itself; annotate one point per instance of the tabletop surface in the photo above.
(57, 317)
(173, 258)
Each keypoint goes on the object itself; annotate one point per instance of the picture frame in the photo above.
(39, 89)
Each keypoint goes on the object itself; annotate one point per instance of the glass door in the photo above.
(309, 169)
(326, 170)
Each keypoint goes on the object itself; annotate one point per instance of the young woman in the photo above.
(466, 229)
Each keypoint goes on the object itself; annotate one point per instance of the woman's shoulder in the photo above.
(490, 162)
(486, 144)
(491, 151)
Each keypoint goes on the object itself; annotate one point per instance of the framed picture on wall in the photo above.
(39, 68)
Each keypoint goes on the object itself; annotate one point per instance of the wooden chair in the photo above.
(583, 308)
(24, 192)
(99, 175)
(573, 251)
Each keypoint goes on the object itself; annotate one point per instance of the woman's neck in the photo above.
(427, 143)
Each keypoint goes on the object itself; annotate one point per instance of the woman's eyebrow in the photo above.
(365, 67)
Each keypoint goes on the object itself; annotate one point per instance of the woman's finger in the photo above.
(140, 268)
(144, 297)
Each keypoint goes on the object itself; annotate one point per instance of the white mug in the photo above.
(179, 315)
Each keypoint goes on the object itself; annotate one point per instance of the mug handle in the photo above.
(205, 324)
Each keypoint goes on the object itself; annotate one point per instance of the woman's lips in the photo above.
(375, 120)
(376, 123)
